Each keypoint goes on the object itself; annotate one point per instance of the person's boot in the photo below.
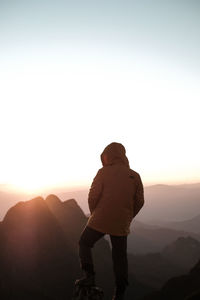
(118, 297)
(119, 294)
(87, 280)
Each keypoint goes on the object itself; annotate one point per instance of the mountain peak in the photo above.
(184, 252)
(71, 203)
(52, 200)
(17, 211)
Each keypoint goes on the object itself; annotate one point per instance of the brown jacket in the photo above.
(116, 194)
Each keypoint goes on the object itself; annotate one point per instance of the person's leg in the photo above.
(87, 240)
(120, 263)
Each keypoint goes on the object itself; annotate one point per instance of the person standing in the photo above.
(115, 198)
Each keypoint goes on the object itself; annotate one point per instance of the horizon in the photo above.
(159, 200)
(77, 188)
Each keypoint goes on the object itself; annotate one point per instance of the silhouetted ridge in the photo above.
(39, 250)
(34, 252)
(74, 208)
(155, 269)
(69, 215)
(150, 238)
(52, 200)
(185, 252)
(17, 211)
(72, 203)
(185, 287)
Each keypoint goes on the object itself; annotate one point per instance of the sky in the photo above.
(78, 75)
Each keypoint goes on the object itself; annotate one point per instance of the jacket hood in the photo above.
(116, 153)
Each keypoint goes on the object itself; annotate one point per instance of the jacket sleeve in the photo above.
(95, 191)
(139, 197)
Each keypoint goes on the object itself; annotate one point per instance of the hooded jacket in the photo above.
(116, 194)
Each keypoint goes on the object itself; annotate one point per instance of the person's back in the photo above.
(114, 209)
(115, 197)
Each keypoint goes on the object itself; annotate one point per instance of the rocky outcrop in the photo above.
(39, 250)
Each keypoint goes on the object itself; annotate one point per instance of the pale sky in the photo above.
(77, 75)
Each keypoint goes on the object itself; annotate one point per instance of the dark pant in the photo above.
(87, 240)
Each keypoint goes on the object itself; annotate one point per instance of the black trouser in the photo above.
(87, 240)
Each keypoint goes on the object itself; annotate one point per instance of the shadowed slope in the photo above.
(35, 255)
(39, 250)
(69, 215)
(154, 269)
(72, 220)
(185, 287)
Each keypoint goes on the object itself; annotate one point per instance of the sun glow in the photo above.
(62, 115)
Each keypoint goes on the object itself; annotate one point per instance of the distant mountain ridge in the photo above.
(146, 238)
(162, 202)
(170, 203)
(154, 269)
(185, 252)
(191, 225)
(184, 287)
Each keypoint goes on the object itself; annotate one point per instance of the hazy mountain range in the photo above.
(145, 238)
(184, 287)
(39, 254)
(154, 269)
(171, 203)
(191, 225)
(163, 203)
